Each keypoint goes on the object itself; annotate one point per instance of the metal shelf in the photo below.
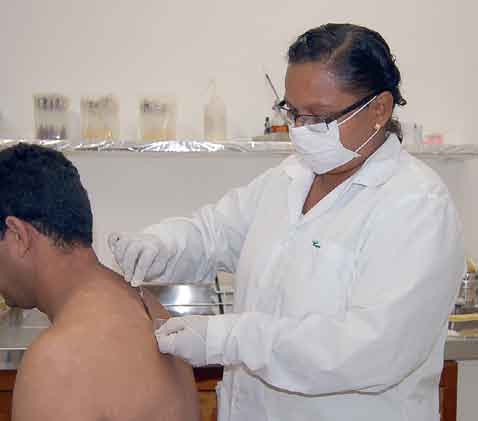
(452, 152)
(248, 146)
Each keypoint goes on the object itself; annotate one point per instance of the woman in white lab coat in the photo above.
(347, 256)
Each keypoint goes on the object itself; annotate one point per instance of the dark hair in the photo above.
(40, 186)
(360, 58)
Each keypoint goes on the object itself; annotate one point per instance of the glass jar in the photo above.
(99, 118)
(51, 116)
(157, 119)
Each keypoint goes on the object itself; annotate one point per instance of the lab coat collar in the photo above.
(376, 170)
(381, 165)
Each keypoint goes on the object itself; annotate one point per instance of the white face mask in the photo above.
(319, 145)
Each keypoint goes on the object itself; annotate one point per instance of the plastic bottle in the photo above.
(214, 116)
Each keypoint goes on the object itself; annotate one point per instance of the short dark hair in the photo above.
(42, 187)
(359, 57)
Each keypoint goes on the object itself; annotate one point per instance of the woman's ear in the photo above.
(383, 108)
(18, 235)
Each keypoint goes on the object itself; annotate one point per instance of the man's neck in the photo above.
(60, 275)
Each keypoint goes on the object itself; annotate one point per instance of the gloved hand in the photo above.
(185, 337)
(141, 257)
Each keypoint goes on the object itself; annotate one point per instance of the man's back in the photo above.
(100, 361)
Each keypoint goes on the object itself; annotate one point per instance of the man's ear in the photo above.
(19, 235)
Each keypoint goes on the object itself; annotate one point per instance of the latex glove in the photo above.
(185, 337)
(141, 257)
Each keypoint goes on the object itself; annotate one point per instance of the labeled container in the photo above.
(99, 118)
(51, 116)
(157, 119)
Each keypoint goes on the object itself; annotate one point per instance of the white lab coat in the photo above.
(339, 314)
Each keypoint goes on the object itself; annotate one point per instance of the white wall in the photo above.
(137, 190)
(133, 48)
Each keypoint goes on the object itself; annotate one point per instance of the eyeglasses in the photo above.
(293, 117)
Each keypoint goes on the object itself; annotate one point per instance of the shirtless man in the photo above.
(99, 360)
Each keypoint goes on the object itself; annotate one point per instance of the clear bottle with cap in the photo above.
(214, 116)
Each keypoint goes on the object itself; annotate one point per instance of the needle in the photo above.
(141, 296)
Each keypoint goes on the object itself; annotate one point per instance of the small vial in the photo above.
(267, 125)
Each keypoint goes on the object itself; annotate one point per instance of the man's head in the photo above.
(43, 206)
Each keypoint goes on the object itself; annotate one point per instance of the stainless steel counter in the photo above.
(19, 328)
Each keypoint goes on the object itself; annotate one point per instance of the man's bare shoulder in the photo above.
(98, 348)
(47, 381)
(65, 371)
